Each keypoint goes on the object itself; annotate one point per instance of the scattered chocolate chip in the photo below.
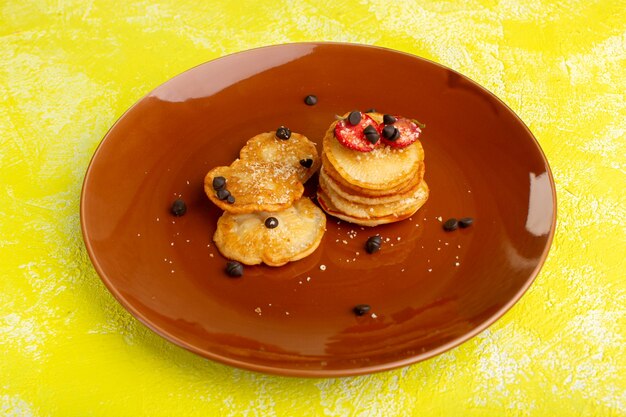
(450, 225)
(234, 269)
(307, 163)
(389, 119)
(283, 133)
(361, 309)
(230, 199)
(310, 100)
(373, 244)
(178, 207)
(390, 132)
(466, 222)
(354, 117)
(271, 222)
(223, 194)
(372, 110)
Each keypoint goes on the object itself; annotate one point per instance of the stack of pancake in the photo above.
(381, 186)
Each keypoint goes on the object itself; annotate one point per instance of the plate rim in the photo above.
(303, 372)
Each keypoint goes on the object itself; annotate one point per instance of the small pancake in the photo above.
(381, 169)
(412, 181)
(256, 186)
(347, 194)
(245, 238)
(266, 147)
(410, 203)
(330, 209)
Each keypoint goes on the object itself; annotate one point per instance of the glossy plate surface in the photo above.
(430, 290)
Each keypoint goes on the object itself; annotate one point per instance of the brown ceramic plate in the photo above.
(429, 290)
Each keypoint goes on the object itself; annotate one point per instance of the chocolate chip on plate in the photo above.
(389, 119)
(310, 100)
(219, 183)
(234, 269)
(371, 134)
(391, 132)
(271, 222)
(354, 117)
(178, 207)
(373, 244)
(307, 163)
(466, 222)
(283, 133)
(450, 224)
(361, 309)
(223, 194)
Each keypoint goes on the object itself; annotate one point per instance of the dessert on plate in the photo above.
(372, 169)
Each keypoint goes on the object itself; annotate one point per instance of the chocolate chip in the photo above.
(283, 133)
(230, 199)
(450, 225)
(361, 309)
(271, 222)
(389, 119)
(372, 110)
(310, 100)
(178, 207)
(354, 117)
(234, 269)
(373, 244)
(219, 183)
(466, 222)
(390, 132)
(371, 134)
(223, 194)
(307, 163)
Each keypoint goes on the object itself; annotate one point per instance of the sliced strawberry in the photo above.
(408, 131)
(353, 137)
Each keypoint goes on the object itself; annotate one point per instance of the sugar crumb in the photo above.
(258, 310)
(323, 267)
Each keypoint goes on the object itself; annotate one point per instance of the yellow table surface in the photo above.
(70, 68)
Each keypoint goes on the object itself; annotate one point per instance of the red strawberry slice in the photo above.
(352, 136)
(408, 131)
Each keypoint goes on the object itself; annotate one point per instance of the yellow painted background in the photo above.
(69, 69)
